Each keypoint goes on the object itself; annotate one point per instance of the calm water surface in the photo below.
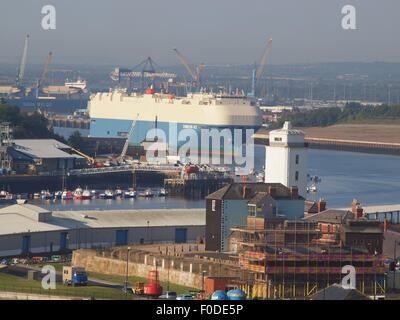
(372, 179)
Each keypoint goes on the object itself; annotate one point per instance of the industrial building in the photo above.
(35, 156)
(27, 229)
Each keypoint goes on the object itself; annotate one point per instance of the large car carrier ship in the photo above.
(112, 114)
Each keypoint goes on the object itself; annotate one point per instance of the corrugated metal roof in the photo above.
(42, 148)
(13, 222)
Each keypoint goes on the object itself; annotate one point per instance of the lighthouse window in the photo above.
(297, 159)
(296, 176)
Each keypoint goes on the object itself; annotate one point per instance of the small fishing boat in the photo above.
(312, 188)
(80, 194)
(147, 194)
(57, 195)
(67, 195)
(163, 193)
(46, 195)
(108, 194)
(130, 194)
(7, 198)
(118, 193)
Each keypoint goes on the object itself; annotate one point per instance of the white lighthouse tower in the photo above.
(286, 159)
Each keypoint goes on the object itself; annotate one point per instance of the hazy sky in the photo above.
(125, 32)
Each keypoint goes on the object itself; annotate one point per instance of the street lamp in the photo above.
(148, 228)
(126, 274)
(202, 281)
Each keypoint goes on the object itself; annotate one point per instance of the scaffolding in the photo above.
(289, 260)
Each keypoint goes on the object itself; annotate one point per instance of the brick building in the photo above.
(229, 207)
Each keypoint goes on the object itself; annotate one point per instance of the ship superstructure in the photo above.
(112, 113)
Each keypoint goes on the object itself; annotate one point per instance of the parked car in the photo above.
(128, 290)
(168, 295)
(185, 296)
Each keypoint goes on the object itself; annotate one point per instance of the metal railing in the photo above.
(123, 169)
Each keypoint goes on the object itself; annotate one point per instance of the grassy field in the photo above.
(131, 279)
(18, 284)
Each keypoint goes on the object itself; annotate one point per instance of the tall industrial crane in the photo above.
(21, 69)
(256, 75)
(260, 68)
(46, 69)
(126, 145)
(196, 77)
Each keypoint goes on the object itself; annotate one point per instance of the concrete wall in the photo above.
(186, 272)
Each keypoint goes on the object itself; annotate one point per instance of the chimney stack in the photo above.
(356, 209)
(321, 205)
(294, 192)
(246, 192)
(272, 191)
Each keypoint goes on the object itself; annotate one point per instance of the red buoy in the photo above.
(153, 288)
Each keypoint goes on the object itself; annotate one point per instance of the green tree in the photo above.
(75, 140)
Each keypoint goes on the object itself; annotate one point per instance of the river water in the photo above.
(371, 178)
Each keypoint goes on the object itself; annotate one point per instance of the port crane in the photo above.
(256, 75)
(196, 77)
(21, 69)
(92, 161)
(45, 70)
(126, 145)
(147, 71)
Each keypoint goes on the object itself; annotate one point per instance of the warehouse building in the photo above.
(27, 229)
(43, 156)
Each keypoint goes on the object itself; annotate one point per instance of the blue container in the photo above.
(236, 294)
(219, 295)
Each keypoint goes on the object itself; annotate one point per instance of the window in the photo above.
(213, 205)
(277, 139)
(297, 159)
(296, 176)
(252, 211)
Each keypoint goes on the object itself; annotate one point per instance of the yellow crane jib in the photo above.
(194, 76)
(260, 68)
(84, 155)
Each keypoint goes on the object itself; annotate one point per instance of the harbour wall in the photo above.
(32, 183)
(344, 145)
